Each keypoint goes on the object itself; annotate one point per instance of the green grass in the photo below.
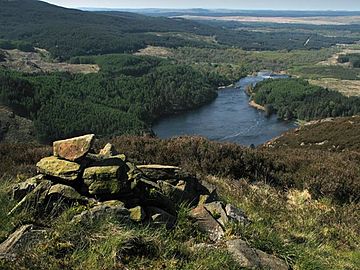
(307, 233)
(114, 244)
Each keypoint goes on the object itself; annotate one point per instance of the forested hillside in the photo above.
(125, 97)
(66, 33)
(296, 98)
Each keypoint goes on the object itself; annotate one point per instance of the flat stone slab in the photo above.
(158, 167)
(63, 169)
(74, 148)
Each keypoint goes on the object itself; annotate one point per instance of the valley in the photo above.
(206, 137)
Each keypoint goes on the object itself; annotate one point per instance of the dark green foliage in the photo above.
(296, 98)
(67, 32)
(353, 59)
(124, 98)
(16, 44)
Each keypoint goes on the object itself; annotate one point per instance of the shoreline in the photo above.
(253, 104)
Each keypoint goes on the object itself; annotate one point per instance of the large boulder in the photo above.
(59, 168)
(207, 223)
(21, 240)
(75, 148)
(252, 258)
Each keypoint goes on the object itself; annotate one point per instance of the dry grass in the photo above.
(346, 87)
(155, 51)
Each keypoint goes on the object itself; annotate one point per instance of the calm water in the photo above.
(228, 118)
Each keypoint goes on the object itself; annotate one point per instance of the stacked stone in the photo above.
(110, 186)
(109, 183)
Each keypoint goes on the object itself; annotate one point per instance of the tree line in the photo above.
(127, 95)
(297, 99)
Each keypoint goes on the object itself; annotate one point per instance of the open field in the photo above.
(346, 87)
(39, 61)
(336, 20)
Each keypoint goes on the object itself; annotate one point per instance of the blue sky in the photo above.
(230, 4)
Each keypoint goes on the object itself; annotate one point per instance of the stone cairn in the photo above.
(109, 185)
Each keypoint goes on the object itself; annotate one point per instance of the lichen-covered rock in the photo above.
(21, 189)
(75, 148)
(109, 209)
(137, 214)
(253, 258)
(63, 169)
(101, 173)
(108, 150)
(216, 209)
(161, 172)
(104, 180)
(65, 192)
(207, 223)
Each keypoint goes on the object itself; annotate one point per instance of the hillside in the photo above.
(54, 28)
(68, 32)
(332, 134)
(289, 203)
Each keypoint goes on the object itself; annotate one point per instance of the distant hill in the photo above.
(232, 12)
(69, 32)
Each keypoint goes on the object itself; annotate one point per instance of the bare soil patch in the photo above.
(40, 61)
